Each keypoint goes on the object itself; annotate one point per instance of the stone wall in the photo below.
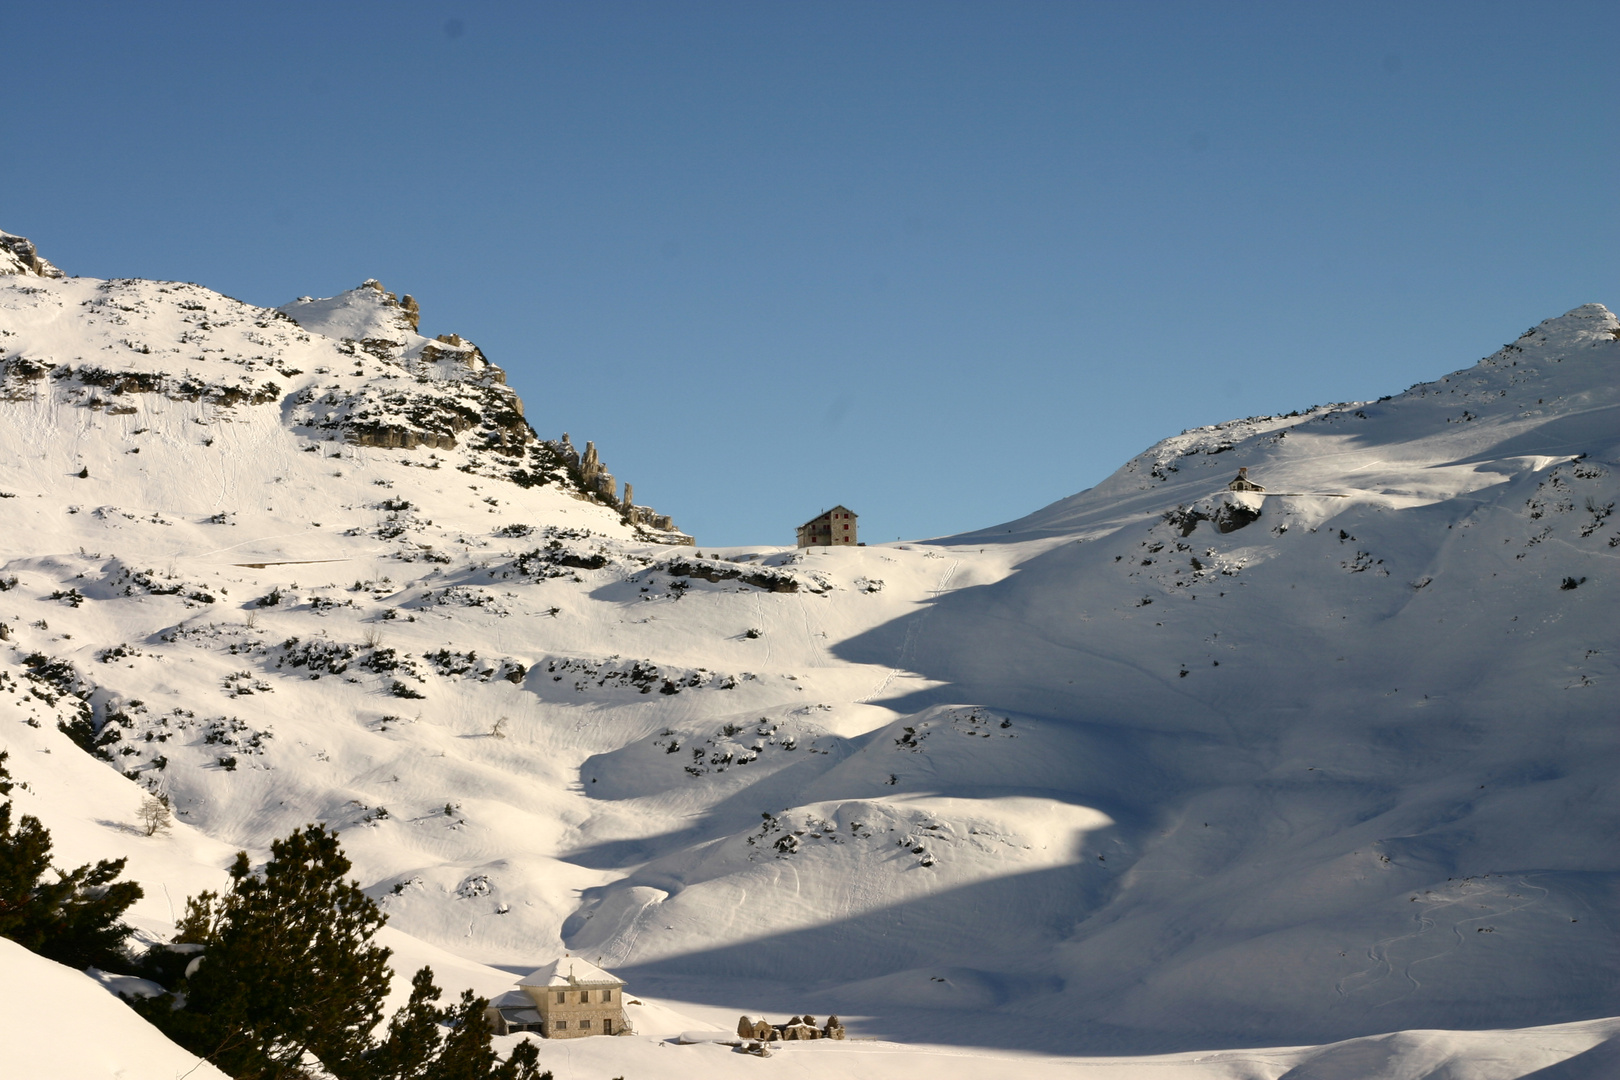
(581, 1013)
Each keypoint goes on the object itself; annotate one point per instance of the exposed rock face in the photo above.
(424, 411)
(464, 392)
(113, 377)
(19, 256)
(454, 394)
(594, 476)
(1240, 509)
(763, 578)
(388, 388)
(459, 348)
(396, 437)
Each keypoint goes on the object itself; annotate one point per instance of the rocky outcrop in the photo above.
(396, 437)
(382, 385)
(454, 393)
(95, 387)
(598, 484)
(438, 415)
(457, 348)
(19, 256)
(1230, 513)
(1233, 516)
(760, 578)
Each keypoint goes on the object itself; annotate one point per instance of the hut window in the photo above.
(560, 1025)
(607, 995)
(584, 1023)
(562, 998)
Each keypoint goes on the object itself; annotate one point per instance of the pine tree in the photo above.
(524, 1064)
(418, 1047)
(413, 1034)
(288, 968)
(466, 1053)
(76, 919)
(288, 972)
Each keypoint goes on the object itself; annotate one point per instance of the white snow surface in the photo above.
(61, 1023)
(357, 315)
(567, 971)
(1101, 781)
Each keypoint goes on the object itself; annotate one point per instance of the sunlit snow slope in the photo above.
(1158, 766)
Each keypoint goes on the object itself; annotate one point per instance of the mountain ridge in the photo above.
(1135, 772)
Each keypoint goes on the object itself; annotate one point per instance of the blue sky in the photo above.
(943, 263)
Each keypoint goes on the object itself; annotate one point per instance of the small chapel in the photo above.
(1241, 482)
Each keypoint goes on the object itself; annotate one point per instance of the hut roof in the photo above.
(513, 999)
(569, 971)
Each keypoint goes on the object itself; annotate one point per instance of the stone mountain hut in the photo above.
(567, 999)
(835, 527)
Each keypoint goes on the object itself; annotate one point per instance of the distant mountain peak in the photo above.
(350, 368)
(1588, 311)
(1594, 320)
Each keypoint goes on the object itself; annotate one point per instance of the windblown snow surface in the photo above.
(1160, 780)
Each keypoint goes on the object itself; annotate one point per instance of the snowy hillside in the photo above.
(1158, 768)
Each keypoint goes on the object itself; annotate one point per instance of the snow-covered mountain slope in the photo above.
(35, 995)
(1159, 766)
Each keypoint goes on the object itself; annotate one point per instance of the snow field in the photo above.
(1104, 780)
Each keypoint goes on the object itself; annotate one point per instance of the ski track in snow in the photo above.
(908, 644)
(1381, 952)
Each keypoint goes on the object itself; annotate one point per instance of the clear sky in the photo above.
(941, 262)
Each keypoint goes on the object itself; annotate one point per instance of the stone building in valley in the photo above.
(798, 1029)
(567, 999)
(835, 527)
